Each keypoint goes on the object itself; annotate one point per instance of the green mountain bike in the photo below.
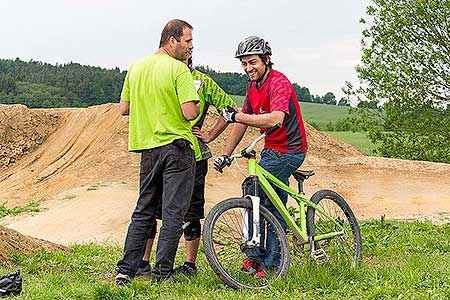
(325, 223)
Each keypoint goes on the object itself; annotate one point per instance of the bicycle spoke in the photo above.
(340, 247)
(227, 241)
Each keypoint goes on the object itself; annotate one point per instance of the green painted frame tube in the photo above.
(252, 165)
(265, 178)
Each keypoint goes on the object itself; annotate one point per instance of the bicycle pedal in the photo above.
(319, 256)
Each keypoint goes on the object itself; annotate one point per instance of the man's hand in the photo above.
(124, 107)
(229, 114)
(248, 155)
(222, 162)
(205, 137)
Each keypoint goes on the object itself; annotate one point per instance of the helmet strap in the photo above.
(258, 81)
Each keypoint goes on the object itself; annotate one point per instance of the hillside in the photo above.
(83, 175)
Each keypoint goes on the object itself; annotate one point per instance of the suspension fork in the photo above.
(252, 180)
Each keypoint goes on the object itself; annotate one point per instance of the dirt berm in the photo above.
(76, 163)
(12, 242)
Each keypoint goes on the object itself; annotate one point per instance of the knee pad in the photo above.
(193, 230)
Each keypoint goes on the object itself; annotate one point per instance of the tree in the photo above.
(368, 104)
(329, 98)
(405, 66)
(38, 84)
(302, 93)
(8, 84)
(317, 99)
(344, 102)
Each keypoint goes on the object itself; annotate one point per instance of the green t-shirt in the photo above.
(210, 94)
(156, 86)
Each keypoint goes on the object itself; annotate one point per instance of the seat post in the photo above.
(301, 176)
(300, 186)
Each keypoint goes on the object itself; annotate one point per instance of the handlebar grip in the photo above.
(272, 129)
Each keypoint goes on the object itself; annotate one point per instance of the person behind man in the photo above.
(270, 100)
(210, 94)
(160, 96)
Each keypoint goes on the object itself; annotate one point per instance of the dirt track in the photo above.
(86, 179)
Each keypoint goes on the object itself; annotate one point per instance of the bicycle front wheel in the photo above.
(343, 249)
(224, 233)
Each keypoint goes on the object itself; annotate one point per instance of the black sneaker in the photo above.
(186, 270)
(122, 279)
(158, 278)
(144, 272)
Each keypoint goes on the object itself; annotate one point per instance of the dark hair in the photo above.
(266, 60)
(173, 28)
(190, 64)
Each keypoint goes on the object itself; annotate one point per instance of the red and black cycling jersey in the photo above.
(277, 94)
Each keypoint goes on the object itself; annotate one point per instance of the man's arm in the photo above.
(234, 138)
(190, 110)
(217, 129)
(124, 108)
(210, 136)
(261, 121)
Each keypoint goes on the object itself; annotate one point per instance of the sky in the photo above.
(314, 43)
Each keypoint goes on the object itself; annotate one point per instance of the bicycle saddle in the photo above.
(300, 175)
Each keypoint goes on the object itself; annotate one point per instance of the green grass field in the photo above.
(401, 260)
(322, 114)
(238, 99)
(359, 140)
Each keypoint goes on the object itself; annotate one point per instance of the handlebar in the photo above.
(252, 146)
(272, 129)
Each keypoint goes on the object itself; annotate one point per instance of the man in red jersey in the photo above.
(270, 100)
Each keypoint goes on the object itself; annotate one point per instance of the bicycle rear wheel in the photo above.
(344, 249)
(223, 241)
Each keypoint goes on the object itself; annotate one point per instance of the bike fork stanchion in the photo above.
(256, 237)
(255, 240)
(245, 225)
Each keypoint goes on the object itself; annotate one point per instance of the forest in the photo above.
(42, 85)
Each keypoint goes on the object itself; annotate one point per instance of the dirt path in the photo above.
(100, 214)
(87, 181)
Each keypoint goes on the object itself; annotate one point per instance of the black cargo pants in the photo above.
(167, 179)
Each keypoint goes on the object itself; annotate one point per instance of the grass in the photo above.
(322, 114)
(30, 207)
(92, 188)
(238, 99)
(359, 140)
(401, 260)
(70, 197)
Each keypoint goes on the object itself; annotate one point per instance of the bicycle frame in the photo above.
(265, 179)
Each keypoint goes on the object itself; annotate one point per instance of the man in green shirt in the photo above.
(160, 97)
(209, 94)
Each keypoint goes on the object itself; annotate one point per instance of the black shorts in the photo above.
(196, 209)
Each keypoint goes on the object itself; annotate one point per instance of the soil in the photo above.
(84, 177)
(22, 130)
(13, 242)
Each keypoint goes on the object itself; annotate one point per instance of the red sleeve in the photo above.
(246, 107)
(280, 94)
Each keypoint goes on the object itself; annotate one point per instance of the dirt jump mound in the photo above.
(78, 159)
(13, 242)
(22, 130)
